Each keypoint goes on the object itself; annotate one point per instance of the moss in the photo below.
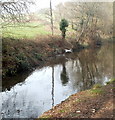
(78, 100)
(97, 86)
(62, 111)
(108, 82)
(112, 80)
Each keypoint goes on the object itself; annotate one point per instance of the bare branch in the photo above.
(14, 10)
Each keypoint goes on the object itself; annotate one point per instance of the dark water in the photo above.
(48, 86)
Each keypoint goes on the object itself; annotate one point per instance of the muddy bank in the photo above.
(94, 103)
(22, 54)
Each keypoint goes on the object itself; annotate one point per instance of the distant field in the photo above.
(27, 30)
(33, 29)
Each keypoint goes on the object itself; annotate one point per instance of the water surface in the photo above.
(63, 76)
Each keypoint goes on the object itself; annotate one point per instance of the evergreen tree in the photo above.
(63, 25)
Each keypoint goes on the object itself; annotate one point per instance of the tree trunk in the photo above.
(51, 18)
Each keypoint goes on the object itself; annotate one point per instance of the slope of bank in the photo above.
(94, 103)
(24, 54)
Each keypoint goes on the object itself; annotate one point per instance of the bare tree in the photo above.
(51, 17)
(88, 19)
(59, 12)
(14, 10)
(48, 12)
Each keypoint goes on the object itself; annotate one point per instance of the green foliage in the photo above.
(38, 56)
(63, 24)
(21, 56)
(22, 61)
(24, 65)
(10, 71)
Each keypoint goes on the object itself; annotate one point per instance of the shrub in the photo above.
(22, 62)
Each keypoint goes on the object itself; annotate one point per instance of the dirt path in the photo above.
(93, 103)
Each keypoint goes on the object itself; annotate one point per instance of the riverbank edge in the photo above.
(19, 55)
(96, 102)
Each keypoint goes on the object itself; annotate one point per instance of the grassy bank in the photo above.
(24, 54)
(93, 103)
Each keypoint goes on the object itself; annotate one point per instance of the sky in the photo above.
(46, 3)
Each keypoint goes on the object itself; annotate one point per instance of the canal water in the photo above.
(48, 86)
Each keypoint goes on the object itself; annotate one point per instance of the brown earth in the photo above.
(93, 103)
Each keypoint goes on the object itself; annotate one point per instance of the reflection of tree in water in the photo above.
(64, 76)
(95, 65)
(52, 86)
(85, 69)
(89, 69)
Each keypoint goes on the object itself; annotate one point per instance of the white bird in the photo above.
(78, 111)
(93, 110)
(68, 50)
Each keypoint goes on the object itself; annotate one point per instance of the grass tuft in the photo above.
(62, 111)
(97, 86)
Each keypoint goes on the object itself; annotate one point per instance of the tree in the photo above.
(51, 14)
(48, 12)
(14, 10)
(63, 25)
(89, 20)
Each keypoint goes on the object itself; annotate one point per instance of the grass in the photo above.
(96, 91)
(96, 86)
(31, 30)
(27, 30)
(112, 80)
